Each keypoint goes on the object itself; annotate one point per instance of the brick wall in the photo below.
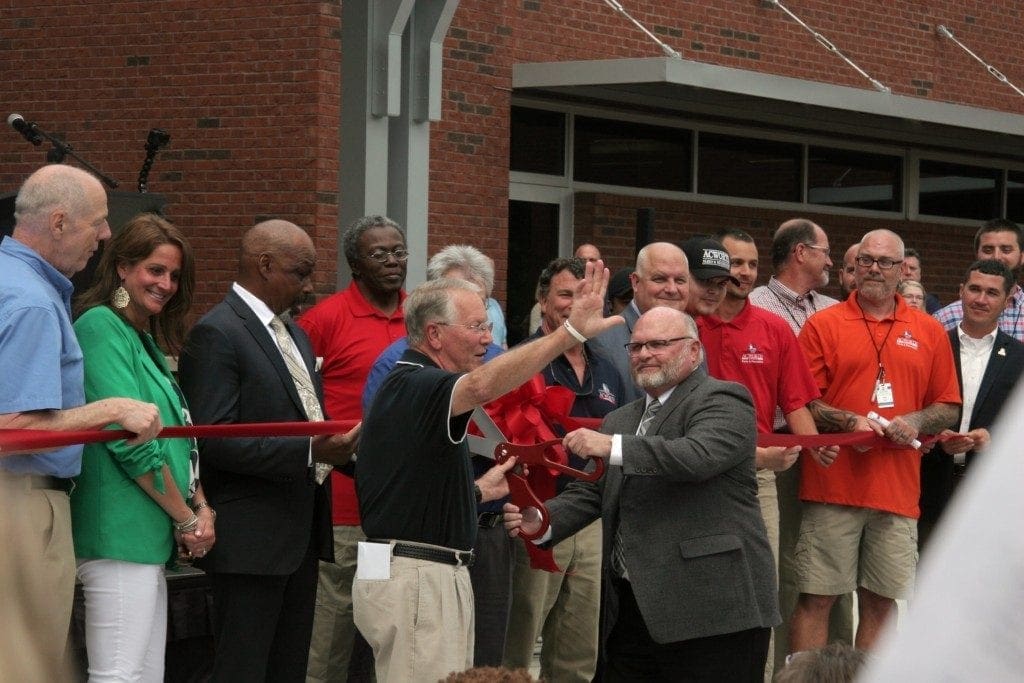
(250, 91)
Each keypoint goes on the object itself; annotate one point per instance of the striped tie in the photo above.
(303, 384)
(618, 559)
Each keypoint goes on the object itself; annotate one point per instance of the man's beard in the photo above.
(669, 374)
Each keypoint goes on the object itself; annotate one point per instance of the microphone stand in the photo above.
(62, 149)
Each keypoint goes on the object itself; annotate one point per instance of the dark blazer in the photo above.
(267, 501)
(1005, 365)
(685, 501)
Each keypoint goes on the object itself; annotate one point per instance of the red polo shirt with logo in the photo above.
(758, 349)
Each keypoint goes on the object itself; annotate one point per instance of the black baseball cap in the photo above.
(708, 259)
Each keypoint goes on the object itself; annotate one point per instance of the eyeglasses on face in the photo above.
(382, 255)
(480, 328)
(655, 346)
(883, 263)
(825, 250)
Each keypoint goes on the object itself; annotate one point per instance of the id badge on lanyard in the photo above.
(882, 395)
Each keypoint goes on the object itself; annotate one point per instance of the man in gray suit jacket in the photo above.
(689, 579)
(659, 279)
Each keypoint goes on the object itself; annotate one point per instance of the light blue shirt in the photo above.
(41, 366)
(496, 316)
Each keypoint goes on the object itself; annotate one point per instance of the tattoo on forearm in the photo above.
(934, 418)
(829, 419)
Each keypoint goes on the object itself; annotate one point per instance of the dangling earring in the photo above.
(120, 298)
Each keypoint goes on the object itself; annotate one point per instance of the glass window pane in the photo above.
(856, 180)
(631, 154)
(537, 141)
(747, 167)
(958, 190)
(1015, 196)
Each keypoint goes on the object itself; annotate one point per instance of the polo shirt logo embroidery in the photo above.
(606, 394)
(907, 340)
(752, 355)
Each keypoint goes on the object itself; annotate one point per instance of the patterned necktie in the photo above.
(618, 559)
(303, 384)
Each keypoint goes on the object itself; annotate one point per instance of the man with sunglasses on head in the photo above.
(412, 595)
(872, 353)
(348, 331)
(564, 608)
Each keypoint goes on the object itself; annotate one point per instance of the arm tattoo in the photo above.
(934, 418)
(829, 419)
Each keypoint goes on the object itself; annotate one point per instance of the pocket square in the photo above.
(319, 364)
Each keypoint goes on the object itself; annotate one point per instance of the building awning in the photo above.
(689, 88)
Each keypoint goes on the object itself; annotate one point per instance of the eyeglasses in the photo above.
(883, 263)
(381, 255)
(825, 250)
(480, 328)
(655, 346)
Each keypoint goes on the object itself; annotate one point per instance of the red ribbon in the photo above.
(32, 439)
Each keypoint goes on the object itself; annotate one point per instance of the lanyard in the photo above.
(878, 348)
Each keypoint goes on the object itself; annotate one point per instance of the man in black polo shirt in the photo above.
(412, 596)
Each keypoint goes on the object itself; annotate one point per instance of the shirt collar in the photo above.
(24, 253)
(261, 310)
(986, 340)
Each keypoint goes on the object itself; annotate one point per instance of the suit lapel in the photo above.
(996, 361)
(262, 337)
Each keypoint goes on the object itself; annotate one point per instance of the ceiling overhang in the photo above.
(748, 97)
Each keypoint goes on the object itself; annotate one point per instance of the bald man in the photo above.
(242, 363)
(60, 218)
(661, 278)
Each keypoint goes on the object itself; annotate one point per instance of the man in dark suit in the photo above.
(988, 365)
(689, 579)
(274, 519)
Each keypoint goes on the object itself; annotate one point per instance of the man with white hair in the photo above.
(60, 218)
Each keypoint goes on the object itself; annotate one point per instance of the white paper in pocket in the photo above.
(373, 561)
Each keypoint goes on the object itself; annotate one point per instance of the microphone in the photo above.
(27, 129)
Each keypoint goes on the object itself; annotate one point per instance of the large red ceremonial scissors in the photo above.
(495, 446)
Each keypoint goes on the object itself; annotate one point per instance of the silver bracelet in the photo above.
(188, 525)
(206, 504)
(574, 332)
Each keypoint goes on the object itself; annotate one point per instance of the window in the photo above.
(855, 180)
(958, 190)
(631, 154)
(748, 167)
(537, 143)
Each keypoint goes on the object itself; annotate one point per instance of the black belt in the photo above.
(489, 520)
(421, 552)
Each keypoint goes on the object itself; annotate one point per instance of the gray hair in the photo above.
(50, 188)
(470, 259)
(350, 238)
(431, 302)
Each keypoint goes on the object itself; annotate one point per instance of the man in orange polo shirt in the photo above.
(859, 523)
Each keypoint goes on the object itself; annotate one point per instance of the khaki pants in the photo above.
(564, 609)
(769, 501)
(333, 629)
(37, 580)
(419, 622)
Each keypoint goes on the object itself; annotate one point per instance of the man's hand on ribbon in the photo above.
(336, 449)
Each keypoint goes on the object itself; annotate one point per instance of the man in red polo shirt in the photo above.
(348, 331)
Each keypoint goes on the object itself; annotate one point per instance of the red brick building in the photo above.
(557, 121)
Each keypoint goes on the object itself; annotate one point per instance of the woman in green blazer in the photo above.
(134, 506)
